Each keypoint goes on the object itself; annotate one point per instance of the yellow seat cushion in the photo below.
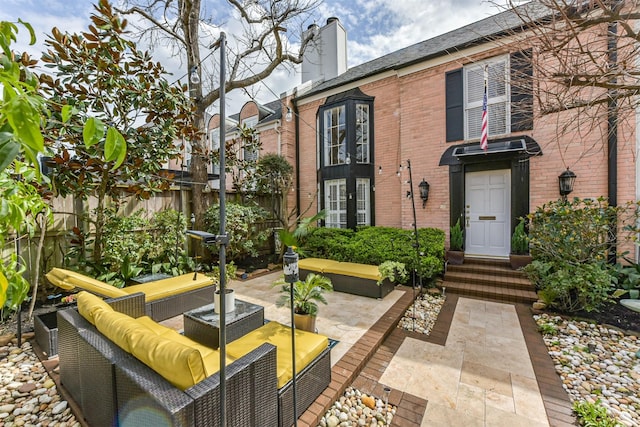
(210, 356)
(164, 288)
(316, 264)
(308, 347)
(89, 305)
(180, 364)
(363, 271)
(69, 280)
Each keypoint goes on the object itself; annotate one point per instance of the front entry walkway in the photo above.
(482, 376)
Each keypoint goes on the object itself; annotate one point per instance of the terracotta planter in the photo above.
(229, 301)
(519, 261)
(455, 257)
(306, 322)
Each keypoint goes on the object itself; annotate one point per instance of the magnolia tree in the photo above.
(115, 119)
(263, 35)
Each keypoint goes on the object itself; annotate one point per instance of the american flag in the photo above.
(484, 131)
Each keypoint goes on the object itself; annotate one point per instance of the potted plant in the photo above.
(230, 295)
(455, 254)
(519, 256)
(306, 296)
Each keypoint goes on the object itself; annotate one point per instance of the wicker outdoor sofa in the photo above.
(164, 299)
(112, 387)
(348, 277)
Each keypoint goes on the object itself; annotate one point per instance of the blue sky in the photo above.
(374, 28)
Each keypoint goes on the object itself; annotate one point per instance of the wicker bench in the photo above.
(112, 387)
(348, 277)
(164, 299)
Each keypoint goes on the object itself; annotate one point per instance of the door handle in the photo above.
(467, 221)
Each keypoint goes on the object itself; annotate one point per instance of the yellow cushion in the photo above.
(363, 271)
(179, 364)
(117, 326)
(308, 347)
(89, 305)
(164, 288)
(210, 356)
(69, 280)
(315, 264)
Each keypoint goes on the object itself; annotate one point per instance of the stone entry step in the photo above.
(489, 279)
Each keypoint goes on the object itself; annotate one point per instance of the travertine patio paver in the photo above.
(482, 375)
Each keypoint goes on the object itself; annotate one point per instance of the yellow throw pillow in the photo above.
(210, 356)
(179, 364)
(117, 327)
(69, 280)
(89, 305)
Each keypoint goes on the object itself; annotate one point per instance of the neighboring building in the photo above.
(355, 132)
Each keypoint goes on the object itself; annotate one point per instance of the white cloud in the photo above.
(374, 28)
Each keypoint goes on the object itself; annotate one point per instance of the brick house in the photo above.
(355, 132)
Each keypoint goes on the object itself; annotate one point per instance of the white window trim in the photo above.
(506, 98)
(327, 143)
(366, 131)
(341, 202)
(367, 201)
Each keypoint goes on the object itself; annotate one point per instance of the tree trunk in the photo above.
(99, 225)
(199, 176)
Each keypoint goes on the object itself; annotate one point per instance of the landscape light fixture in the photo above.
(290, 270)
(565, 181)
(194, 78)
(424, 192)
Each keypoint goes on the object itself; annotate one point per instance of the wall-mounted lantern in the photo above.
(424, 192)
(565, 181)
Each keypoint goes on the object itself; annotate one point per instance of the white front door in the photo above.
(487, 213)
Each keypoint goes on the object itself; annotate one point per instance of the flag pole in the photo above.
(484, 130)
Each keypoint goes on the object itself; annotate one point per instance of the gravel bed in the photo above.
(596, 363)
(355, 408)
(422, 314)
(28, 396)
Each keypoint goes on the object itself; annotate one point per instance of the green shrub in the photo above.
(375, 245)
(576, 231)
(245, 238)
(593, 414)
(394, 271)
(329, 243)
(570, 287)
(125, 238)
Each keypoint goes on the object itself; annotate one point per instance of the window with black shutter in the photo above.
(509, 97)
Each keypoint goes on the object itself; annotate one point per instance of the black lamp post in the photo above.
(424, 192)
(290, 267)
(565, 181)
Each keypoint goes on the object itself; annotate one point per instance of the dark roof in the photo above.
(469, 35)
(266, 112)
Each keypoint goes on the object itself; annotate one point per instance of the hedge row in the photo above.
(374, 245)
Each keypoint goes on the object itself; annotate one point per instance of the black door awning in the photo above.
(523, 146)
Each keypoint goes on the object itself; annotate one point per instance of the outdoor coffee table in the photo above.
(203, 324)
